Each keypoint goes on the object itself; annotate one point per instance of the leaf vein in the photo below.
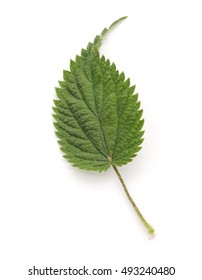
(84, 131)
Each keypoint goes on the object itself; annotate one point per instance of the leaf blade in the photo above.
(97, 115)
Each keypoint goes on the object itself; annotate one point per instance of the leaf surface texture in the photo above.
(98, 119)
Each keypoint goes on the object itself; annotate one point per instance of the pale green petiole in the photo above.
(149, 228)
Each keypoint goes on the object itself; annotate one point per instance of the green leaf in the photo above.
(98, 116)
(98, 119)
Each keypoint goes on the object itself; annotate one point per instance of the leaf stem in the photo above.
(149, 228)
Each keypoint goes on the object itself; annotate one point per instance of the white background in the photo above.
(53, 214)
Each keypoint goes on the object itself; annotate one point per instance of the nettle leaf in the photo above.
(98, 119)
